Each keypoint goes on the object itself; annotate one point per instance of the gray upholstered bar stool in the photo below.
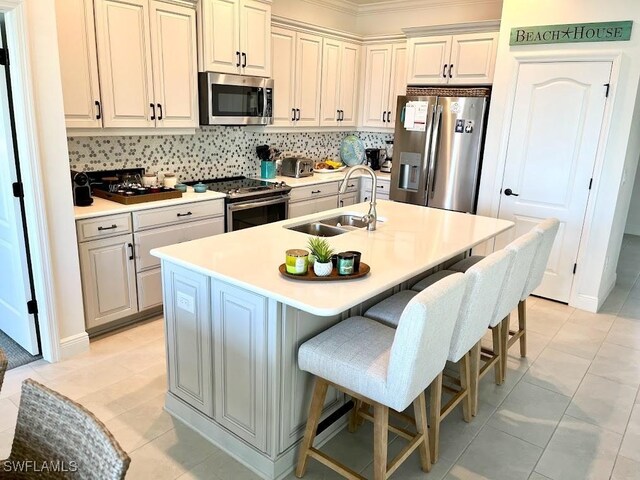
(548, 229)
(478, 306)
(383, 367)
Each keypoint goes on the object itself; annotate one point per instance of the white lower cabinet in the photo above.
(108, 279)
(149, 289)
(348, 199)
(313, 199)
(382, 189)
(240, 363)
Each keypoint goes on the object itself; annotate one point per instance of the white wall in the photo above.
(53, 161)
(618, 155)
(633, 219)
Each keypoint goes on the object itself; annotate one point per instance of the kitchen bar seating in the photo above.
(548, 230)
(385, 368)
(485, 283)
(4, 363)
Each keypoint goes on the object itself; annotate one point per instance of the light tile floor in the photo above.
(570, 410)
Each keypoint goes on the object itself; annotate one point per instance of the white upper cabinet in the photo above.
(78, 63)
(340, 62)
(473, 58)
(235, 37)
(465, 59)
(124, 54)
(173, 40)
(384, 79)
(283, 48)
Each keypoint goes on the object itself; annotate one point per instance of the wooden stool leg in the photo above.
(354, 419)
(504, 345)
(474, 379)
(420, 414)
(465, 383)
(315, 410)
(522, 326)
(497, 351)
(435, 405)
(380, 441)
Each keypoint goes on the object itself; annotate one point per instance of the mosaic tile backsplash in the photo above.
(212, 152)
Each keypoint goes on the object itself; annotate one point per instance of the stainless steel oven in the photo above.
(235, 99)
(251, 213)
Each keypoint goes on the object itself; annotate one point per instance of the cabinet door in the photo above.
(149, 289)
(283, 60)
(429, 60)
(330, 102)
(220, 36)
(376, 87)
(108, 279)
(187, 313)
(299, 209)
(240, 346)
(473, 58)
(347, 199)
(255, 38)
(173, 41)
(398, 84)
(308, 78)
(78, 63)
(349, 80)
(124, 55)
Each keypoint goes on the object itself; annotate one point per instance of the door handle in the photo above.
(450, 68)
(444, 71)
(153, 111)
(238, 59)
(112, 227)
(508, 192)
(297, 114)
(384, 119)
(315, 191)
(293, 114)
(342, 115)
(337, 115)
(244, 60)
(188, 214)
(389, 117)
(130, 245)
(99, 114)
(160, 109)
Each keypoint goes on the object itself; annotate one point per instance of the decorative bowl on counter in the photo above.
(199, 188)
(181, 187)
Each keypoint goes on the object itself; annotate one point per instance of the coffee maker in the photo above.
(375, 157)
(81, 189)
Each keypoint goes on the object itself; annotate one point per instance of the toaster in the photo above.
(297, 167)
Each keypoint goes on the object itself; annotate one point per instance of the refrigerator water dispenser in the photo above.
(409, 178)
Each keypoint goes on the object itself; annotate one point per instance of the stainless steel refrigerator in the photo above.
(437, 149)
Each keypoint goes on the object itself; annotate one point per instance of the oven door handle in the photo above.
(235, 207)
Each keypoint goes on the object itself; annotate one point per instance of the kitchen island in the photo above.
(234, 324)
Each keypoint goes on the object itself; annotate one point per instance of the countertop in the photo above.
(102, 206)
(317, 178)
(409, 240)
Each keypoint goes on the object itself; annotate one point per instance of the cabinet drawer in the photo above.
(312, 191)
(352, 186)
(383, 185)
(103, 227)
(366, 195)
(149, 289)
(161, 237)
(179, 214)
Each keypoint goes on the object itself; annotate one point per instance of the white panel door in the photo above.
(220, 36)
(331, 81)
(283, 60)
(555, 127)
(376, 86)
(473, 58)
(349, 81)
(398, 85)
(255, 36)
(78, 63)
(175, 64)
(15, 289)
(124, 54)
(308, 78)
(429, 60)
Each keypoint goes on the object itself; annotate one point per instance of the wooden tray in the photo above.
(133, 199)
(312, 277)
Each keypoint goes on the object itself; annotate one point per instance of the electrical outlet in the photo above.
(185, 302)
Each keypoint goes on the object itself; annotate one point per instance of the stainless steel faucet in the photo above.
(370, 218)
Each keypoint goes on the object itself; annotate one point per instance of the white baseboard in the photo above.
(74, 345)
(608, 290)
(592, 303)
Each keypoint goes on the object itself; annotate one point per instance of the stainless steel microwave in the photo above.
(235, 99)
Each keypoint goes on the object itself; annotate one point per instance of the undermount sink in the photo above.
(345, 221)
(318, 229)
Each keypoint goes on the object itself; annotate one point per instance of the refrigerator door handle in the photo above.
(433, 154)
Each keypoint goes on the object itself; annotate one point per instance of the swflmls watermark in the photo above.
(32, 466)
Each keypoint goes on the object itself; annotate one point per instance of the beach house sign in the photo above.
(572, 33)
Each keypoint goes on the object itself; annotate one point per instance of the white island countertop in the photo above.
(409, 240)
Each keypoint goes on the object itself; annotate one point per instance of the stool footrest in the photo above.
(326, 460)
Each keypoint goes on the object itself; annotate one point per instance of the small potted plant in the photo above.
(321, 251)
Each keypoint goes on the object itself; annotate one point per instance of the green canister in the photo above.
(345, 263)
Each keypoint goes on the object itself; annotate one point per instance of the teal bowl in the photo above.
(181, 187)
(199, 188)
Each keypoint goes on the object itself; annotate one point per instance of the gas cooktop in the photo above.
(243, 187)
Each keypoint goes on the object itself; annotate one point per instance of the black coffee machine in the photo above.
(374, 157)
(81, 189)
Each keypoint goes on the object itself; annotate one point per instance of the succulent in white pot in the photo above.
(322, 252)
